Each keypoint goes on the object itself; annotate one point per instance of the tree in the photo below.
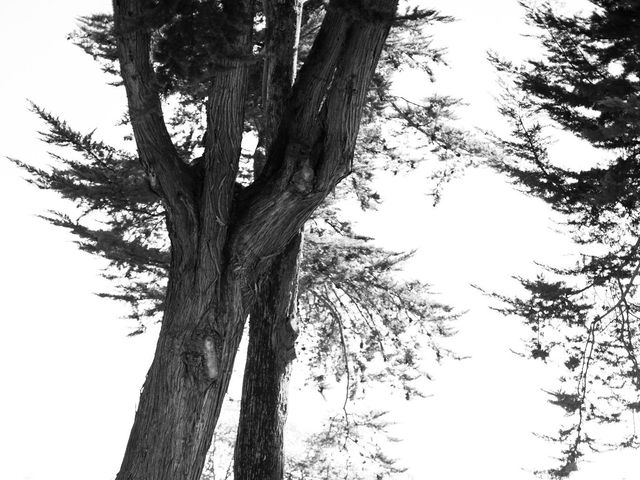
(222, 236)
(585, 315)
(187, 57)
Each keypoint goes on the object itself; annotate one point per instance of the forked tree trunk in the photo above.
(223, 240)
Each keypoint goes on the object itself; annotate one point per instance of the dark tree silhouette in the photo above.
(587, 315)
(223, 222)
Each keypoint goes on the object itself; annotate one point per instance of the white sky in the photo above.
(70, 377)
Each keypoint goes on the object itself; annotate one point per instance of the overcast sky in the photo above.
(70, 376)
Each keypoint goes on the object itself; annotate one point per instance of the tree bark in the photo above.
(183, 392)
(222, 240)
(259, 452)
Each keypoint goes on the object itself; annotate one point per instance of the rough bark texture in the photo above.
(279, 68)
(259, 452)
(259, 449)
(223, 241)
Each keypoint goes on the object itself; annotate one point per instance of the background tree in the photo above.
(585, 315)
(111, 189)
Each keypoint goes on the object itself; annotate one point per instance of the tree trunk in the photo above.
(259, 452)
(223, 240)
(183, 392)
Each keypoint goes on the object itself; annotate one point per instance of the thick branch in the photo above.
(157, 153)
(225, 122)
(281, 42)
(315, 143)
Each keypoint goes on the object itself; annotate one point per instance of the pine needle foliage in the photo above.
(586, 315)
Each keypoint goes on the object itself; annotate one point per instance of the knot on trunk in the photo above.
(283, 339)
(201, 361)
(303, 177)
(210, 358)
